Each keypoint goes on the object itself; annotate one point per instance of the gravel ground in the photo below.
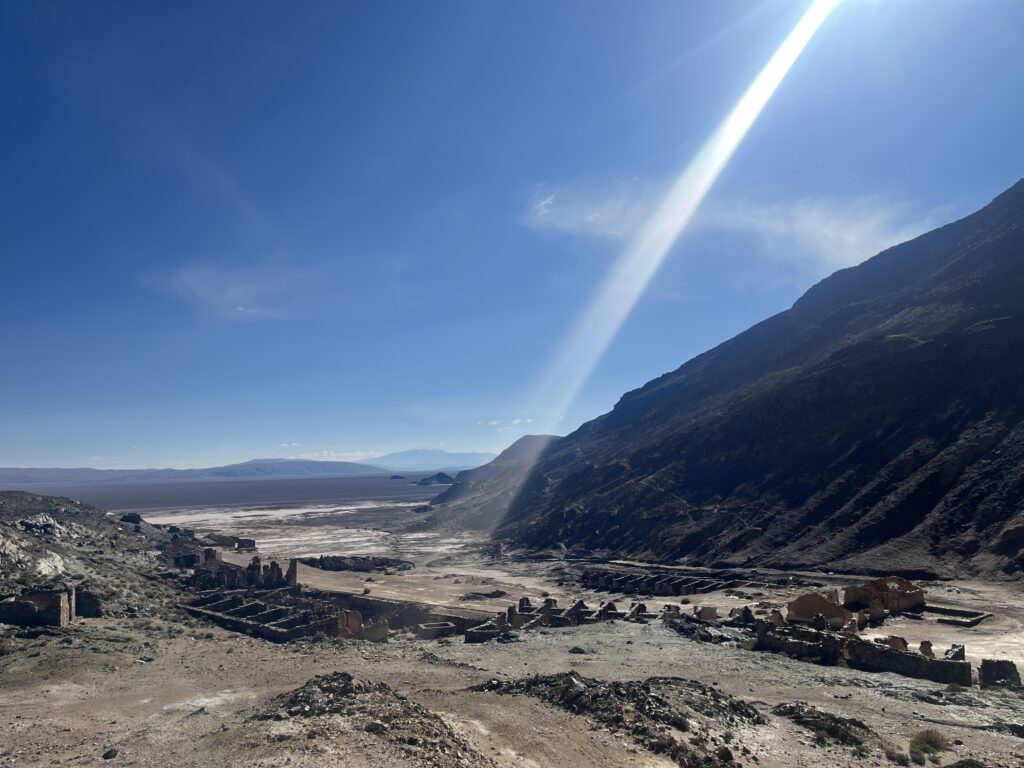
(178, 692)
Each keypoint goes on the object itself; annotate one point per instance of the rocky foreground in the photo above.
(145, 684)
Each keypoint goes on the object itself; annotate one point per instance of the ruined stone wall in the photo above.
(873, 657)
(816, 647)
(51, 608)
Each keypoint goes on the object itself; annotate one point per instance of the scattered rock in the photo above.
(651, 711)
(829, 727)
(378, 710)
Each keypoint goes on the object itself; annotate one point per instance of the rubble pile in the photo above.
(333, 694)
(376, 709)
(669, 716)
(826, 726)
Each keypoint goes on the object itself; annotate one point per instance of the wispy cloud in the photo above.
(505, 426)
(819, 236)
(236, 292)
(814, 236)
(328, 454)
(607, 211)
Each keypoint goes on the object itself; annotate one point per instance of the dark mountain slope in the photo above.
(875, 424)
(480, 497)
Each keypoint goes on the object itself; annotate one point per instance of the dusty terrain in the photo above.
(161, 688)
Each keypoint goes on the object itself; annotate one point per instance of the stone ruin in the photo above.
(260, 600)
(665, 583)
(39, 608)
(526, 616)
(893, 594)
(881, 655)
(213, 573)
(819, 629)
(184, 550)
(998, 672)
(821, 609)
(283, 614)
(56, 607)
(862, 604)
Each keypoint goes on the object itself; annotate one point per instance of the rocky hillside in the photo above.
(875, 425)
(47, 541)
(480, 497)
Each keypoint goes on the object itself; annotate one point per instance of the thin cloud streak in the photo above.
(820, 236)
(328, 454)
(814, 236)
(238, 293)
(612, 211)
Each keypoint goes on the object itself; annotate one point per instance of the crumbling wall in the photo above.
(87, 604)
(874, 657)
(998, 672)
(808, 645)
(40, 608)
(282, 615)
(894, 593)
(664, 583)
(805, 608)
(524, 615)
(831, 648)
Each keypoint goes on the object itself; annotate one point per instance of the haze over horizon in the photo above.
(261, 255)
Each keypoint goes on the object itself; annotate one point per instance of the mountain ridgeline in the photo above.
(876, 425)
(14, 477)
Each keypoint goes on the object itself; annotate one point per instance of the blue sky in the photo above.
(339, 229)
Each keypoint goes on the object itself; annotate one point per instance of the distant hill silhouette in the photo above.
(441, 478)
(249, 470)
(430, 460)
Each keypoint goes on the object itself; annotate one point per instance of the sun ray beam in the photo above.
(604, 315)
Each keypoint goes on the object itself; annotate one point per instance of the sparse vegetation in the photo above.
(927, 743)
(897, 757)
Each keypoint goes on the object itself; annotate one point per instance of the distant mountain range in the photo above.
(876, 425)
(424, 460)
(430, 460)
(249, 470)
